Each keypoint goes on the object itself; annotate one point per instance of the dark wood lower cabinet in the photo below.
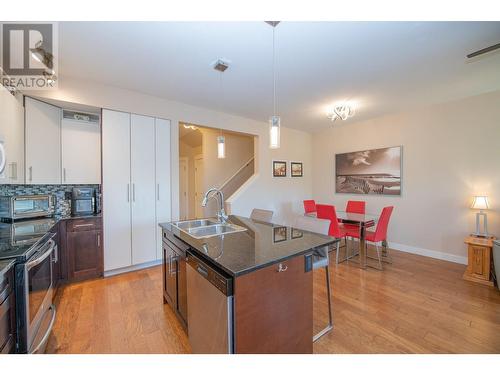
(273, 310)
(84, 251)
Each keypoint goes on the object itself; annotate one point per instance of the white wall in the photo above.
(283, 195)
(450, 153)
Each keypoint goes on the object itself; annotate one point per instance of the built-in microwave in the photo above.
(26, 206)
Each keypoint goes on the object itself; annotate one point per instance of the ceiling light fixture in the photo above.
(221, 147)
(340, 112)
(221, 65)
(192, 127)
(274, 120)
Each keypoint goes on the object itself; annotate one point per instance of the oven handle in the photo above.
(42, 257)
(47, 333)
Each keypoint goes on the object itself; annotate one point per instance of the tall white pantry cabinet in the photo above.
(136, 187)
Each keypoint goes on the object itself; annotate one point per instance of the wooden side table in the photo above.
(479, 260)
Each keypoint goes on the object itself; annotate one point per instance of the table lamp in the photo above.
(481, 203)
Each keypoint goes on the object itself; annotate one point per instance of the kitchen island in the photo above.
(264, 272)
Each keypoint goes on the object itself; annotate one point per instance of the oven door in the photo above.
(39, 293)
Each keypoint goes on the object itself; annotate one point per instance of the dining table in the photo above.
(363, 222)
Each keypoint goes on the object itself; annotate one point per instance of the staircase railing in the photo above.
(232, 184)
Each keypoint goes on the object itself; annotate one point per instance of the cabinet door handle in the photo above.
(13, 170)
(128, 192)
(31, 173)
(98, 240)
(83, 225)
(133, 192)
(64, 174)
(158, 192)
(56, 254)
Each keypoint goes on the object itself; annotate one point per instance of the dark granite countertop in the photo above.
(6, 265)
(262, 244)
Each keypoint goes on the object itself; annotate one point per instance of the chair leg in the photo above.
(379, 257)
(385, 253)
(329, 327)
(337, 255)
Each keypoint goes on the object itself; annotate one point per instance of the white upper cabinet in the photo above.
(163, 195)
(43, 142)
(81, 152)
(12, 137)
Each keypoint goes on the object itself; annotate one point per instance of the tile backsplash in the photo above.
(63, 205)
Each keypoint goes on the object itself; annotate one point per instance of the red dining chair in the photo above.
(356, 207)
(309, 206)
(336, 230)
(380, 233)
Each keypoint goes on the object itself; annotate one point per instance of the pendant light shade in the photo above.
(221, 65)
(274, 120)
(274, 132)
(221, 147)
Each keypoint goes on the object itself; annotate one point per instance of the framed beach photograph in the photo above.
(279, 234)
(376, 171)
(279, 168)
(296, 169)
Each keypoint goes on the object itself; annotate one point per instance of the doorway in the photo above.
(198, 155)
(183, 188)
(198, 186)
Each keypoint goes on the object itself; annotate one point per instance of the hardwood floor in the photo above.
(119, 314)
(416, 305)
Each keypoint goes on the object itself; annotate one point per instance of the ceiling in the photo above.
(382, 67)
(192, 137)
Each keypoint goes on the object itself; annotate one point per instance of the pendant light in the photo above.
(274, 120)
(221, 65)
(221, 147)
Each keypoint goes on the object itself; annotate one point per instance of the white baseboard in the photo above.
(132, 268)
(428, 253)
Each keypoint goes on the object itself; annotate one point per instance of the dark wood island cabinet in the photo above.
(273, 310)
(249, 291)
(174, 276)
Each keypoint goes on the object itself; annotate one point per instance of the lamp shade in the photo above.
(221, 147)
(480, 202)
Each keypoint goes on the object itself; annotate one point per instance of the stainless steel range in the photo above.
(32, 243)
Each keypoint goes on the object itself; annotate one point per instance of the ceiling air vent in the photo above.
(81, 116)
(221, 65)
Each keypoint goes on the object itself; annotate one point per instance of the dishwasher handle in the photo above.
(211, 273)
(202, 271)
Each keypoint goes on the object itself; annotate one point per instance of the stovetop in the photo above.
(18, 238)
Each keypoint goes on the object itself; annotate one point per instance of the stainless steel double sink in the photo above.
(204, 228)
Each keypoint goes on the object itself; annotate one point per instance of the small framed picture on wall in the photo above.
(296, 169)
(279, 234)
(279, 168)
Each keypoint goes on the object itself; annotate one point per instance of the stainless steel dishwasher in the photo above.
(210, 308)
